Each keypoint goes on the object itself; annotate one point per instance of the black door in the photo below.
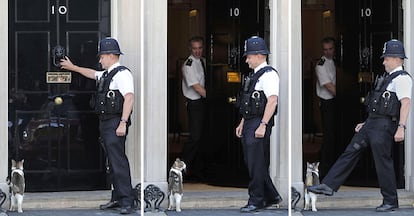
(50, 122)
(229, 22)
(364, 26)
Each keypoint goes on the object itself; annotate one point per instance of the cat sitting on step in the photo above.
(312, 178)
(17, 186)
(175, 185)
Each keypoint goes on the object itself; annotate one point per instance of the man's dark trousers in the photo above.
(119, 165)
(257, 158)
(378, 133)
(196, 119)
(328, 116)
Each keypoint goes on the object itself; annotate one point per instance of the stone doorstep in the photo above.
(61, 200)
(361, 198)
(209, 199)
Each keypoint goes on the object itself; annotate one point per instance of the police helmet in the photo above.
(393, 48)
(109, 46)
(255, 45)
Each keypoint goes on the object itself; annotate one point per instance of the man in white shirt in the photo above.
(258, 107)
(326, 92)
(193, 87)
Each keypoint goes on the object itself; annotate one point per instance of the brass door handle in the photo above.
(231, 99)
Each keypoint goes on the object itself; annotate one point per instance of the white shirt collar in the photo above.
(327, 59)
(396, 69)
(194, 58)
(262, 65)
(114, 66)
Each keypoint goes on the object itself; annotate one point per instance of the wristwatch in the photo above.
(402, 126)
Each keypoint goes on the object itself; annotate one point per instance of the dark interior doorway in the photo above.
(224, 25)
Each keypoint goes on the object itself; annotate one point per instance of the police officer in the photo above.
(193, 87)
(388, 106)
(326, 92)
(258, 101)
(113, 104)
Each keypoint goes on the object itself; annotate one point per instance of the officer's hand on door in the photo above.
(65, 63)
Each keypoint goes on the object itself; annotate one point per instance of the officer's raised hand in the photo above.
(67, 64)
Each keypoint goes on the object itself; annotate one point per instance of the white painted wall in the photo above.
(143, 39)
(285, 46)
(286, 57)
(408, 9)
(155, 103)
(125, 27)
(4, 64)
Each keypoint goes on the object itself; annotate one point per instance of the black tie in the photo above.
(203, 65)
(204, 72)
(105, 74)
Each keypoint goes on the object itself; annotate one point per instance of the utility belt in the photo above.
(196, 100)
(385, 104)
(109, 104)
(332, 100)
(251, 105)
(379, 116)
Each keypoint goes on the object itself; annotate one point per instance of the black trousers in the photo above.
(378, 133)
(257, 158)
(327, 152)
(119, 165)
(191, 151)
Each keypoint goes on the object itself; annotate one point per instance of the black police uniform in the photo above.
(378, 133)
(109, 107)
(110, 110)
(256, 151)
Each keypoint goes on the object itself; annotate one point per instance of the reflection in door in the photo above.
(51, 124)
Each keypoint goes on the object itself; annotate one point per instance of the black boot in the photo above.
(321, 189)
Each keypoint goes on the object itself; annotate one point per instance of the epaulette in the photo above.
(189, 62)
(321, 62)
